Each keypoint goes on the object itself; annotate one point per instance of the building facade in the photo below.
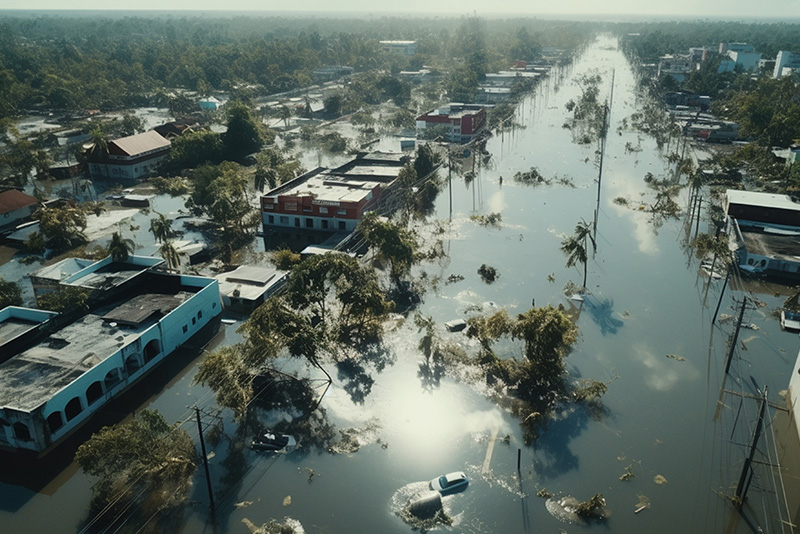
(131, 158)
(331, 200)
(459, 123)
(58, 370)
(403, 48)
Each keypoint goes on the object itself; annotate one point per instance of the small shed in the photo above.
(15, 206)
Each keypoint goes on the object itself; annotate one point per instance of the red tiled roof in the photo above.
(13, 200)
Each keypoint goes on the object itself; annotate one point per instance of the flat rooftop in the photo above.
(32, 377)
(251, 282)
(764, 200)
(14, 327)
(326, 188)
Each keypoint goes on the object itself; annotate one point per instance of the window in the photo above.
(271, 219)
(297, 222)
(323, 209)
(185, 329)
(341, 211)
(307, 209)
(284, 219)
(309, 223)
(214, 305)
(341, 225)
(325, 224)
(194, 320)
(200, 314)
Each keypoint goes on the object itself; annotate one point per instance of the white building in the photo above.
(132, 157)
(785, 63)
(403, 48)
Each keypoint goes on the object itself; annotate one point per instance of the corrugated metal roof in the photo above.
(138, 144)
(13, 200)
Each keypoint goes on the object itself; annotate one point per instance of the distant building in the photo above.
(131, 158)
(764, 232)
(209, 103)
(785, 63)
(331, 200)
(172, 129)
(676, 66)
(330, 72)
(58, 370)
(15, 207)
(403, 48)
(459, 123)
(246, 288)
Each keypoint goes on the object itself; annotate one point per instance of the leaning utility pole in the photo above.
(735, 336)
(747, 469)
(205, 461)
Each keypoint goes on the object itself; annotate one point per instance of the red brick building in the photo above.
(460, 123)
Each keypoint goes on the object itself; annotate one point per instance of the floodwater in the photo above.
(647, 302)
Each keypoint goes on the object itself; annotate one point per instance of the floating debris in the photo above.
(243, 504)
(627, 475)
(453, 278)
(642, 504)
(570, 510)
(660, 480)
(289, 526)
(544, 494)
(287, 501)
(678, 358)
(551, 277)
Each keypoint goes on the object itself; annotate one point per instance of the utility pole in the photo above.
(722, 294)
(747, 470)
(735, 336)
(205, 461)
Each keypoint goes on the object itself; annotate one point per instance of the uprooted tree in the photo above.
(333, 308)
(144, 464)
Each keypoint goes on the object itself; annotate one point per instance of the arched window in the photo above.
(112, 378)
(132, 364)
(55, 421)
(94, 392)
(73, 408)
(151, 350)
(22, 432)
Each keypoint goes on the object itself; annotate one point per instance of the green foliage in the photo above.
(66, 299)
(174, 187)
(62, 227)
(142, 456)
(10, 294)
(492, 219)
(770, 113)
(393, 244)
(332, 291)
(119, 248)
(222, 193)
(195, 148)
(285, 259)
(245, 134)
(488, 273)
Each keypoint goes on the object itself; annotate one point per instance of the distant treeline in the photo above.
(659, 38)
(85, 62)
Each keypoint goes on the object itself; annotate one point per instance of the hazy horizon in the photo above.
(772, 10)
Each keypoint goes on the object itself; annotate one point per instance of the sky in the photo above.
(728, 9)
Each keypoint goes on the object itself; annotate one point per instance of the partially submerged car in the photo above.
(450, 483)
(271, 442)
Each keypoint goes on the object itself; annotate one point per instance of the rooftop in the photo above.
(764, 200)
(13, 200)
(250, 282)
(32, 377)
(138, 144)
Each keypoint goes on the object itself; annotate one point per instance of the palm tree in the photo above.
(161, 227)
(576, 247)
(265, 176)
(284, 113)
(170, 255)
(99, 149)
(120, 248)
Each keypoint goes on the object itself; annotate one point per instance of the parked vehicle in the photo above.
(450, 483)
(790, 320)
(271, 442)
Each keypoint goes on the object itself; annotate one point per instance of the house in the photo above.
(48, 279)
(209, 103)
(676, 66)
(130, 158)
(764, 232)
(332, 200)
(246, 288)
(15, 207)
(172, 129)
(56, 371)
(458, 123)
(402, 48)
